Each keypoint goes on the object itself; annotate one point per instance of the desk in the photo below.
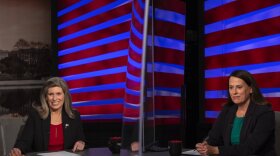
(106, 152)
(88, 152)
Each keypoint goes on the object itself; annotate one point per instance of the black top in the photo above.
(257, 134)
(35, 134)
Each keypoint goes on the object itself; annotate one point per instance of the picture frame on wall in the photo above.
(25, 53)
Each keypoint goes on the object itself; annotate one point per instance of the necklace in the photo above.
(56, 121)
(55, 132)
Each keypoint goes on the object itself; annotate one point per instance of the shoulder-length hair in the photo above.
(256, 95)
(44, 109)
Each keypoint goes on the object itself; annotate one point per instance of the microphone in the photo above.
(66, 125)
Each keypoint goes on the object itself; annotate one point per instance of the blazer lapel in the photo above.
(65, 126)
(46, 132)
(247, 121)
(228, 129)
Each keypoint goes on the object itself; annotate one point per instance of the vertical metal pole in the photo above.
(143, 74)
(153, 71)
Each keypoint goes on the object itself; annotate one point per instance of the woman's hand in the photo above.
(202, 148)
(212, 150)
(205, 149)
(79, 146)
(134, 146)
(15, 152)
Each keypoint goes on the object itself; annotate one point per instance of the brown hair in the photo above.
(43, 109)
(256, 95)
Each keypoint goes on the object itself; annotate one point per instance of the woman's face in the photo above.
(55, 98)
(239, 91)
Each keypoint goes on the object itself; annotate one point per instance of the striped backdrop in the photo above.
(93, 41)
(168, 61)
(100, 53)
(241, 34)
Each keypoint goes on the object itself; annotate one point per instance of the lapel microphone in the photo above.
(66, 125)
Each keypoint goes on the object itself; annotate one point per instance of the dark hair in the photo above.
(256, 95)
(43, 109)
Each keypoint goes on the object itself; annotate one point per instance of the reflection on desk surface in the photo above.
(88, 152)
(191, 152)
(99, 152)
(58, 153)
